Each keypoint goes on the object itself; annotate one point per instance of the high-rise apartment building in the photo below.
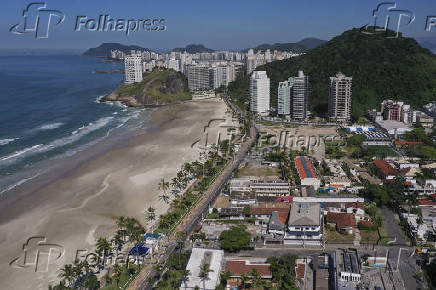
(259, 93)
(299, 96)
(198, 77)
(340, 98)
(133, 68)
(293, 97)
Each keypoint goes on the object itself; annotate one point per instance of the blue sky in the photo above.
(219, 24)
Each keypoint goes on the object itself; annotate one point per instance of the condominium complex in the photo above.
(340, 98)
(259, 93)
(284, 98)
(133, 68)
(210, 76)
(198, 77)
(293, 97)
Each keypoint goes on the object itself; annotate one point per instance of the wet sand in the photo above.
(74, 204)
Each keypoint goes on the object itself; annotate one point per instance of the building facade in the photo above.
(133, 68)
(259, 93)
(340, 98)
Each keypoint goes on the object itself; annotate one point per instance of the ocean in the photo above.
(49, 109)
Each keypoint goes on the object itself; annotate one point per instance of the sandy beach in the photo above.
(67, 209)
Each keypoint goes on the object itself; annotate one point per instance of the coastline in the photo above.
(76, 204)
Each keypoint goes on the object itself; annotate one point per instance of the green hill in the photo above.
(160, 87)
(193, 48)
(381, 67)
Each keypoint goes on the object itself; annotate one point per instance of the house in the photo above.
(277, 223)
(198, 258)
(304, 225)
(385, 170)
(238, 267)
(344, 222)
(151, 240)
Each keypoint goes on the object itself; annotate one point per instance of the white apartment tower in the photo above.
(259, 92)
(133, 68)
(340, 98)
(293, 97)
(198, 77)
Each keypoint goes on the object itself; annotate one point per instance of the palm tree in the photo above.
(103, 247)
(165, 198)
(204, 273)
(121, 224)
(67, 274)
(117, 273)
(151, 214)
(255, 275)
(185, 276)
(164, 185)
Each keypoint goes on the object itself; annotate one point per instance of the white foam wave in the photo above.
(7, 141)
(78, 134)
(22, 181)
(50, 126)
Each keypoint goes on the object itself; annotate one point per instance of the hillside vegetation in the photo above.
(159, 87)
(381, 67)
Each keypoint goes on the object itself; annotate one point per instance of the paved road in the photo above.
(196, 214)
(393, 228)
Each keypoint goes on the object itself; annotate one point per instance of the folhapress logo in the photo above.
(388, 16)
(37, 19)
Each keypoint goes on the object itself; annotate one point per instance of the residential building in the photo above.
(348, 267)
(340, 98)
(200, 257)
(259, 93)
(198, 77)
(391, 110)
(299, 96)
(306, 172)
(284, 98)
(133, 68)
(238, 267)
(304, 225)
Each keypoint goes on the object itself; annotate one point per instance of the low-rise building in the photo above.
(306, 172)
(200, 257)
(304, 225)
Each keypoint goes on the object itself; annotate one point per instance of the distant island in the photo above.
(158, 88)
(104, 50)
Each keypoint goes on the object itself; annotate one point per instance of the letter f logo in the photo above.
(37, 19)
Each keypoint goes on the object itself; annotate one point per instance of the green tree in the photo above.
(204, 273)
(235, 239)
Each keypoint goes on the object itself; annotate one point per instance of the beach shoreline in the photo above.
(74, 205)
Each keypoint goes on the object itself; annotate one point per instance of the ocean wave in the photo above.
(7, 141)
(40, 148)
(98, 99)
(50, 126)
(22, 181)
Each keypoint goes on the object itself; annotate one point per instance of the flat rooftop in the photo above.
(304, 214)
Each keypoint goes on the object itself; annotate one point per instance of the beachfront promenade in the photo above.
(200, 209)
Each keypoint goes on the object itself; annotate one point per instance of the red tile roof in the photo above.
(341, 219)
(300, 268)
(385, 167)
(366, 223)
(268, 210)
(360, 205)
(283, 216)
(402, 143)
(240, 267)
(425, 202)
